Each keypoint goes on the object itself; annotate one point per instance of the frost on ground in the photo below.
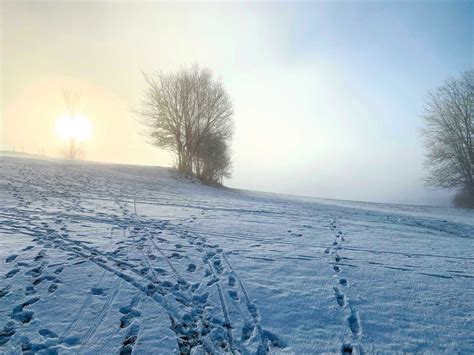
(98, 258)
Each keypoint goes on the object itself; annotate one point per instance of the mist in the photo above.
(327, 96)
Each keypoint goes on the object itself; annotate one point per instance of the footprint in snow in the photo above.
(40, 255)
(46, 333)
(274, 339)
(130, 339)
(218, 266)
(212, 281)
(202, 298)
(7, 332)
(354, 322)
(11, 258)
(4, 291)
(234, 295)
(346, 349)
(247, 331)
(339, 297)
(160, 271)
(30, 290)
(71, 341)
(19, 314)
(98, 291)
(127, 319)
(11, 273)
(42, 278)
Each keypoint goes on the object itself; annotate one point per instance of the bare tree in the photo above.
(449, 136)
(71, 99)
(181, 112)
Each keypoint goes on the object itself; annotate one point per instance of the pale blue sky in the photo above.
(327, 95)
(391, 51)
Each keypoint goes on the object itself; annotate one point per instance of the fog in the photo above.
(327, 96)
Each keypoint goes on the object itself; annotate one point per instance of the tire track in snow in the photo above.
(227, 324)
(252, 310)
(264, 336)
(72, 326)
(186, 341)
(239, 237)
(100, 317)
(213, 252)
(85, 252)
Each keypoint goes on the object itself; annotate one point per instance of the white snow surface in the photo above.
(102, 258)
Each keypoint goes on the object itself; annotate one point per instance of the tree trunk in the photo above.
(72, 149)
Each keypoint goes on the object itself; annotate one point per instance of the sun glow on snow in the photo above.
(73, 127)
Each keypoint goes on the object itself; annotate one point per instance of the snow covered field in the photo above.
(98, 258)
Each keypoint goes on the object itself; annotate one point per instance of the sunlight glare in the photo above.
(75, 127)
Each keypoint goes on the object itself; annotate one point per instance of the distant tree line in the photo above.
(449, 137)
(190, 114)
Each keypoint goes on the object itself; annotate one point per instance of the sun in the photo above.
(76, 127)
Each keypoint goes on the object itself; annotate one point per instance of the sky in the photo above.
(327, 95)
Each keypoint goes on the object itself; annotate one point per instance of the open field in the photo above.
(101, 257)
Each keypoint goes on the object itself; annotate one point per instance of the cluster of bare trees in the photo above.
(449, 137)
(190, 114)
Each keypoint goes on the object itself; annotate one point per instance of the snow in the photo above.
(101, 258)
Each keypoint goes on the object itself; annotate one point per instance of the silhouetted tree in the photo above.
(449, 137)
(73, 150)
(190, 114)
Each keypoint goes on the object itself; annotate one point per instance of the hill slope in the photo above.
(112, 258)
